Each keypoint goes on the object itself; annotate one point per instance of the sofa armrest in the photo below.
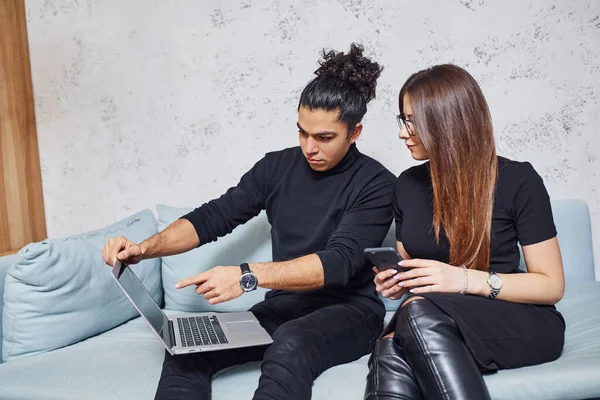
(573, 223)
(574, 227)
(5, 262)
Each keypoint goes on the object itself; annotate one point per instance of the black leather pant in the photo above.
(309, 334)
(426, 359)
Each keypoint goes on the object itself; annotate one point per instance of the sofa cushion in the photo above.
(250, 242)
(573, 224)
(59, 291)
(5, 263)
(575, 374)
(123, 363)
(93, 369)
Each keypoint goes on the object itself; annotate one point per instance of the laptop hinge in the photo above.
(172, 334)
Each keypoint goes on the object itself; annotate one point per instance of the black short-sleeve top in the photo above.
(522, 214)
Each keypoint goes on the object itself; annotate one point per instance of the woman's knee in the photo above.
(408, 314)
(422, 314)
(406, 311)
(411, 299)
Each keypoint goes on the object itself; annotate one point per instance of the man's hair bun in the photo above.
(352, 68)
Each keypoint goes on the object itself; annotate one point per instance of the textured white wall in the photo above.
(141, 102)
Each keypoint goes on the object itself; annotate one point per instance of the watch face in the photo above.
(495, 282)
(248, 282)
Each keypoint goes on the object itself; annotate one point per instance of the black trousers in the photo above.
(310, 334)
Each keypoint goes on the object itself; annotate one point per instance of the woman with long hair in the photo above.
(459, 219)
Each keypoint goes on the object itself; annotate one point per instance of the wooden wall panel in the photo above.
(22, 218)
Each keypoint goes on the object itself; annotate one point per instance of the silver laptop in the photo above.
(194, 332)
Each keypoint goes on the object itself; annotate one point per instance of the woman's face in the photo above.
(417, 151)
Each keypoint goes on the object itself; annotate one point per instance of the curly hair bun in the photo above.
(352, 68)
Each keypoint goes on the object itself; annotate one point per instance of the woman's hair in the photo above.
(452, 120)
(344, 82)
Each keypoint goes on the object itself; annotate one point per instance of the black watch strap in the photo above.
(245, 268)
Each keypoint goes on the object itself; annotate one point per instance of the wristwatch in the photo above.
(495, 283)
(248, 281)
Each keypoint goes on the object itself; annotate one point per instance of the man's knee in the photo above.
(294, 349)
(186, 365)
(290, 339)
(185, 376)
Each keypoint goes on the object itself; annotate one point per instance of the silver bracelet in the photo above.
(464, 289)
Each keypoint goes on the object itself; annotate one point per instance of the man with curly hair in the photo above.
(325, 202)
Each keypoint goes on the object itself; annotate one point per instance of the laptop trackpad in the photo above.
(243, 327)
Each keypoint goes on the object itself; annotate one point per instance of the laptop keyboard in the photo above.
(200, 331)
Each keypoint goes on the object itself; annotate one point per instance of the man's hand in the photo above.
(218, 285)
(386, 283)
(122, 249)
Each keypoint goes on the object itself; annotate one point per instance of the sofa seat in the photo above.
(576, 373)
(125, 363)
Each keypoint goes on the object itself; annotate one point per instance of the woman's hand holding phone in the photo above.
(420, 276)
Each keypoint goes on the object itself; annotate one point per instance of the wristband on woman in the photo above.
(466, 285)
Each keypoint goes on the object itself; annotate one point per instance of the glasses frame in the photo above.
(404, 123)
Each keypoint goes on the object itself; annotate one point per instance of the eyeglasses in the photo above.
(404, 123)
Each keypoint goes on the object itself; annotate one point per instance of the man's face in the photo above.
(324, 140)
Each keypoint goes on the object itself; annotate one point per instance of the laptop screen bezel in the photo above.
(165, 334)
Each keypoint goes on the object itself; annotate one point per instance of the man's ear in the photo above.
(353, 136)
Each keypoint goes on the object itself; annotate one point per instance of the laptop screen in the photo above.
(139, 296)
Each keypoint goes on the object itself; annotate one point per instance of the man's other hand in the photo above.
(217, 285)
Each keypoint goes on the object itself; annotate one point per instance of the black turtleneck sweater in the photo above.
(334, 214)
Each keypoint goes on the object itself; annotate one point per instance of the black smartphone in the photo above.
(384, 258)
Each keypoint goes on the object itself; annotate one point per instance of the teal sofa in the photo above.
(124, 362)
